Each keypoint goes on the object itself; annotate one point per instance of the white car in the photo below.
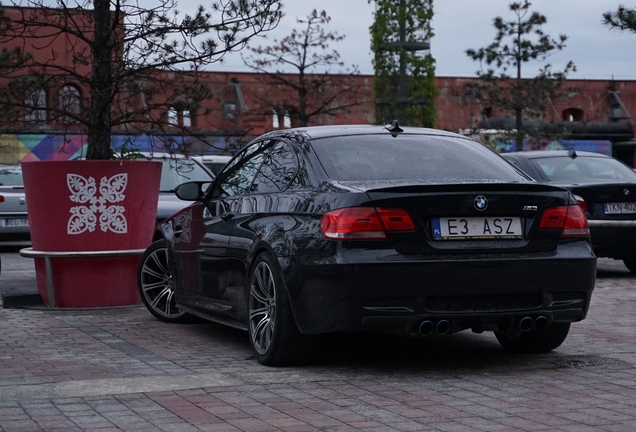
(214, 163)
(14, 221)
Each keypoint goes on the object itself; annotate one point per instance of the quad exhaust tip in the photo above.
(541, 323)
(427, 327)
(443, 326)
(528, 323)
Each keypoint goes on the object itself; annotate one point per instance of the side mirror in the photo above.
(190, 191)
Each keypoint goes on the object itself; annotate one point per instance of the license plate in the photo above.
(620, 208)
(469, 228)
(11, 222)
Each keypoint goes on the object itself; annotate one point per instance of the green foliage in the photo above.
(622, 19)
(127, 151)
(519, 41)
(389, 60)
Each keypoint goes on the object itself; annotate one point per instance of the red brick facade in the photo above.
(235, 110)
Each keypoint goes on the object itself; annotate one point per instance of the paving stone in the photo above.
(121, 369)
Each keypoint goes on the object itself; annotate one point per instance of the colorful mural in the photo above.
(15, 148)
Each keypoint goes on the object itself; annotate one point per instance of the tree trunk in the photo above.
(519, 110)
(101, 87)
(519, 124)
(302, 99)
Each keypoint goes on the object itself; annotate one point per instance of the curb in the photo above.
(20, 300)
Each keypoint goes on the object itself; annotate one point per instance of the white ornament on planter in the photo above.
(84, 191)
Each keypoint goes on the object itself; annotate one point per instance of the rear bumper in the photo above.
(611, 224)
(8, 228)
(386, 290)
(613, 239)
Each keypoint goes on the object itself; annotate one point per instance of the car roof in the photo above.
(536, 154)
(153, 155)
(316, 132)
(212, 158)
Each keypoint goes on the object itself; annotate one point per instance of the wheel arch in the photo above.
(283, 266)
(157, 235)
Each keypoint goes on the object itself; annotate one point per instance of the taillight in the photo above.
(1, 198)
(364, 223)
(581, 202)
(396, 220)
(570, 219)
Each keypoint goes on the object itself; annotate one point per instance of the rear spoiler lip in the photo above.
(485, 186)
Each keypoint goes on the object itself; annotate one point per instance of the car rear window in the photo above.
(178, 170)
(215, 167)
(11, 176)
(429, 158)
(583, 169)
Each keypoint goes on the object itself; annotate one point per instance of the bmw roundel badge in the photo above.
(626, 192)
(481, 202)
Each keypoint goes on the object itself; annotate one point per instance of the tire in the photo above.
(630, 263)
(535, 341)
(156, 289)
(273, 333)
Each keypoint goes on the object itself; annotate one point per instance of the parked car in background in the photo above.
(604, 187)
(14, 220)
(353, 228)
(214, 163)
(176, 169)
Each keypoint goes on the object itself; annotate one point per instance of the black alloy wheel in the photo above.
(156, 289)
(273, 333)
(535, 341)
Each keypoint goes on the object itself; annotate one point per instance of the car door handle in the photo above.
(227, 216)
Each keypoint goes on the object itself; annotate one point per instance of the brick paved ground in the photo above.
(122, 370)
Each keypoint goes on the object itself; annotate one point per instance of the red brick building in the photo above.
(234, 112)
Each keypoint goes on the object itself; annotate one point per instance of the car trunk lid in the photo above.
(612, 201)
(472, 218)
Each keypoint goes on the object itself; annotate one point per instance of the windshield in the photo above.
(177, 171)
(584, 169)
(422, 157)
(11, 176)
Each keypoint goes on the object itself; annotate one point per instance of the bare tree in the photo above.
(135, 61)
(310, 89)
(517, 42)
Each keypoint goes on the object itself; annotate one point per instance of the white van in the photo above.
(213, 162)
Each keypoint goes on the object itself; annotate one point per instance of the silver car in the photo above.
(176, 169)
(14, 222)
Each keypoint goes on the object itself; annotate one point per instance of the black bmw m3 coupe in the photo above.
(353, 228)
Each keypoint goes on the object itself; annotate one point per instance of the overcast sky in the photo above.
(597, 52)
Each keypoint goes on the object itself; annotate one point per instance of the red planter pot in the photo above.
(91, 206)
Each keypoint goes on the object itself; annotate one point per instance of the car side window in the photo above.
(236, 178)
(278, 170)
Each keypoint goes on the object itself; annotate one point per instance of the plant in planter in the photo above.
(89, 229)
(112, 66)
